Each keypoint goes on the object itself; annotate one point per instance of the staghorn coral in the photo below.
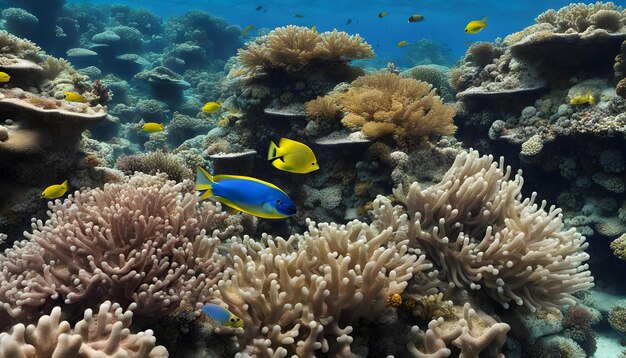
(314, 286)
(292, 47)
(104, 333)
(386, 104)
(476, 227)
(141, 241)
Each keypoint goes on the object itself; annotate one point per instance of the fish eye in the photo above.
(277, 201)
(232, 320)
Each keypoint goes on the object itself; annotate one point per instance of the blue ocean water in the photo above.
(444, 20)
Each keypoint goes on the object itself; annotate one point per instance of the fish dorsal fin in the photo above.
(484, 20)
(217, 178)
(65, 184)
(287, 141)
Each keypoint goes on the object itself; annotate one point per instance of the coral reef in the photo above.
(387, 105)
(141, 241)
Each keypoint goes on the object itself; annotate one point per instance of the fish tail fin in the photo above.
(162, 125)
(484, 19)
(273, 152)
(65, 184)
(592, 99)
(204, 182)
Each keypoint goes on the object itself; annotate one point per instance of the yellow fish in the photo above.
(246, 30)
(55, 191)
(4, 77)
(402, 43)
(474, 27)
(292, 156)
(314, 28)
(382, 14)
(152, 127)
(211, 107)
(586, 99)
(73, 97)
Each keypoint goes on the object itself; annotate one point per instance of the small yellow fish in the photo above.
(402, 43)
(382, 14)
(211, 107)
(246, 30)
(474, 27)
(4, 77)
(314, 28)
(292, 156)
(55, 191)
(586, 99)
(416, 18)
(74, 97)
(152, 127)
(222, 316)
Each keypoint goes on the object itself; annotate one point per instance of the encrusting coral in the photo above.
(386, 104)
(104, 333)
(141, 241)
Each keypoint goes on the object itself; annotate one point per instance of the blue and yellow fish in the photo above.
(249, 195)
(222, 316)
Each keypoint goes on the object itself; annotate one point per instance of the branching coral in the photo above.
(142, 241)
(315, 286)
(385, 104)
(476, 227)
(292, 47)
(99, 334)
(474, 334)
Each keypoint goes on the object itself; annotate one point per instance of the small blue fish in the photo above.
(222, 316)
(249, 195)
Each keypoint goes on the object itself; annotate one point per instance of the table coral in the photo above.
(104, 333)
(293, 47)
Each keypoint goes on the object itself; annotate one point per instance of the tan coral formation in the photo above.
(483, 235)
(473, 333)
(141, 241)
(293, 47)
(302, 295)
(102, 334)
(386, 104)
